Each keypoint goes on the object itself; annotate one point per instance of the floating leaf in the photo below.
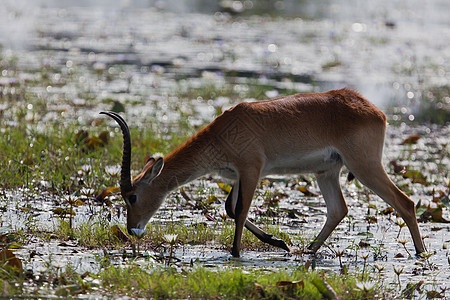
(295, 213)
(442, 198)
(434, 215)
(14, 245)
(363, 244)
(66, 244)
(224, 187)
(365, 233)
(212, 199)
(78, 202)
(412, 139)
(304, 189)
(436, 228)
(416, 176)
(434, 294)
(371, 219)
(387, 211)
(399, 255)
(9, 259)
(420, 209)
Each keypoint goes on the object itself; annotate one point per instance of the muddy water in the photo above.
(135, 53)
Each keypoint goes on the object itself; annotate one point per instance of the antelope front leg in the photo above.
(247, 186)
(259, 233)
(336, 207)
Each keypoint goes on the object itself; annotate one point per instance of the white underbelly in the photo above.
(318, 161)
(310, 162)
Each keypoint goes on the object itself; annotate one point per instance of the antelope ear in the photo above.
(154, 171)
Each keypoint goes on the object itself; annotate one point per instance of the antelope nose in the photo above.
(137, 232)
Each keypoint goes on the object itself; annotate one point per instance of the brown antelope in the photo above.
(313, 133)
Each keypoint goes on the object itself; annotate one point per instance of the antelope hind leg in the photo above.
(336, 206)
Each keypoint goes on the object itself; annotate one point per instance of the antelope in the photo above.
(315, 133)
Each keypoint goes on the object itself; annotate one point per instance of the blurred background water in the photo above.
(396, 53)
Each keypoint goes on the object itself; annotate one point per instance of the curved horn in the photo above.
(125, 175)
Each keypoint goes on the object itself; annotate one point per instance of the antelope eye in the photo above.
(132, 199)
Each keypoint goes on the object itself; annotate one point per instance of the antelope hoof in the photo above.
(235, 253)
(279, 243)
(308, 251)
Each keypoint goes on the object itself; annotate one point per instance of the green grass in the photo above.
(228, 283)
(92, 235)
(97, 234)
(53, 158)
(220, 232)
(134, 280)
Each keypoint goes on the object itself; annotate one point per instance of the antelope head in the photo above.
(142, 196)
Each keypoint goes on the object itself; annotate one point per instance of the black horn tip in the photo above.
(111, 114)
(117, 118)
(108, 113)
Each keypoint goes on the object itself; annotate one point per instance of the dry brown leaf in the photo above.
(412, 139)
(290, 284)
(104, 137)
(81, 136)
(105, 193)
(118, 232)
(398, 169)
(307, 264)
(210, 218)
(9, 259)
